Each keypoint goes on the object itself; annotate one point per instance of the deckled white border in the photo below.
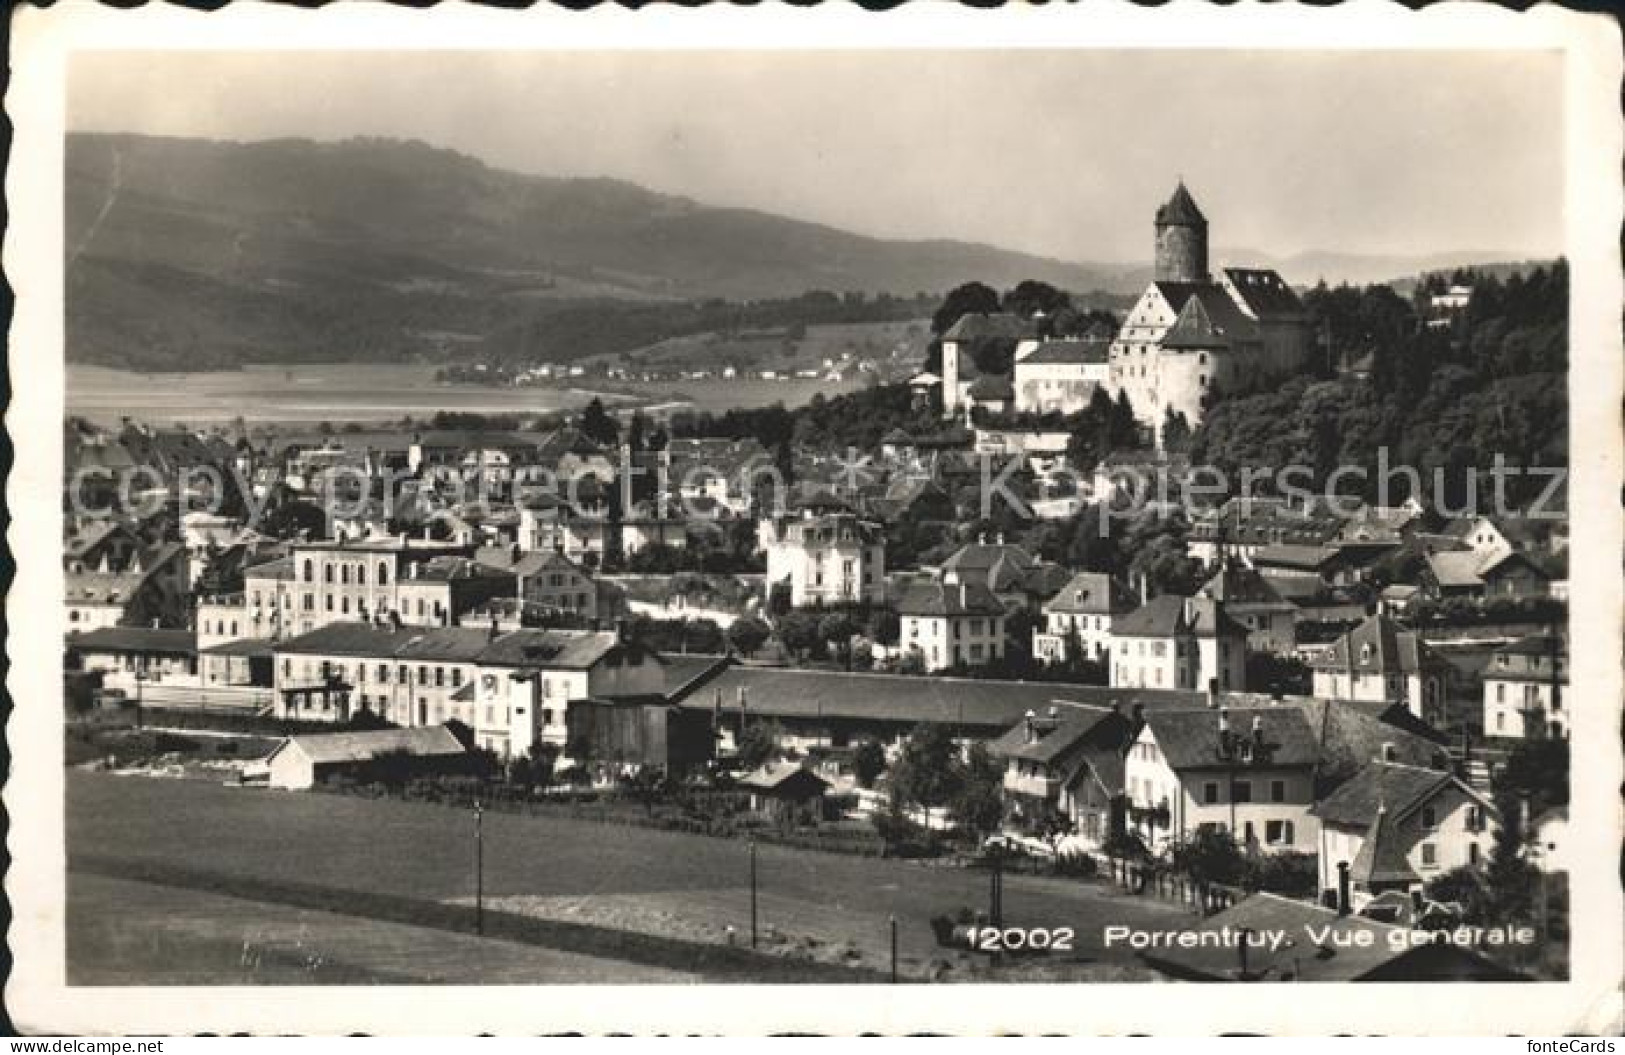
(35, 995)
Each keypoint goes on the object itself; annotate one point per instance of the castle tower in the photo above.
(1181, 239)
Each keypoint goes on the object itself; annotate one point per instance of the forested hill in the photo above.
(1491, 379)
(187, 252)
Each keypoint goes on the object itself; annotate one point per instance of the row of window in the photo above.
(360, 572)
(1241, 792)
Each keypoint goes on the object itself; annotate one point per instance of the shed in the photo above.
(783, 788)
(299, 762)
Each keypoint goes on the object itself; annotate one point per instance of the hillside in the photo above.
(191, 252)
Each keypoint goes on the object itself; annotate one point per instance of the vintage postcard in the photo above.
(541, 521)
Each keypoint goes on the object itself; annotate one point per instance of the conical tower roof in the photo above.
(1180, 209)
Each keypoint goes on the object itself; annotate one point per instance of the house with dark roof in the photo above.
(1395, 827)
(548, 582)
(1062, 376)
(127, 654)
(959, 343)
(947, 624)
(1250, 773)
(1382, 661)
(1526, 689)
(117, 585)
(1068, 759)
(1500, 573)
(1252, 600)
(1078, 619)
(301, 762)
(834, 557)
(1174, 642)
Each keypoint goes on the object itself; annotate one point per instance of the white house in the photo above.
(1174, 642)
(1526, 689)
(1081, 616)
(1249, 772)
(830, 558)
(1398, 826)
(947, 624)
(299, 762)
(1381, 662)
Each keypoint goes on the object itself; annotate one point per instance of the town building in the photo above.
(548, 583)
(114, 585)
(1381, 661)
(301, 762)
(1250, 773)
(1078, 620)
(1397, 826)
(959, 370)
(1192, 334)
(1174, 642)
(826, 558)
(1062, 376)
(948, 624)
(1252, 600)
(1526, 689)
(1068, 761)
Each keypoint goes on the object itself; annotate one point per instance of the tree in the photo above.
(799, 632)
(1176, 431)
(747, 634)
(868, 762)
(1031, 296)
(993, 354)
(978, 802)
(1211, 856)
(597, 424)
(926, 773)
(1124, 430)
(972, 298)
(758, 744)
(837, 628)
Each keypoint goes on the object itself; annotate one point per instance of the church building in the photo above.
(1193, 334)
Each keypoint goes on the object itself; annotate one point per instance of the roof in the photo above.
(254, 647)
(1044, 738)
(1193, 739)
(556, 649)
(1264, 293)
(974, 326)
(1382, 857)
(1066, 353)
(789, 692)
(776, 775)
(331, 748)
(1218, 311)
(945, 599)
(1212, 954)
(1535, 645)
(1195, 328)
(999, 565)
(1171, 614)
(135, 639)
(281, 568)
(1398, 788)
(447, 569)
(1092, 593)
(1289, 555)
(1239, 586)
(1180, 208)
(1456, 568)
(1377, 646)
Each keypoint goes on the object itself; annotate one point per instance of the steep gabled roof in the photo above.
(1264, 294)
(943, 599)
(1377, 646)
(1067, 353)
(1171, 614)
(1380, 785)
(1092, 593)
(973, 326)
(1193, 739)
(1235, 584)
(1382, 854)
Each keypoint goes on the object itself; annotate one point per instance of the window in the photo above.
(1278, 833)
(1430, 817)
(1210, 793)
(327, 574)
(329, 602)
(439, 676)
(361, 575)
(383, 674)
(1475, 819)
(1277, 791)
(423, 675)
(1430, 855)
(310, 571)
(456, 675)
(383, 574)
(1242, 791)
(344, 574)
(1472, 853)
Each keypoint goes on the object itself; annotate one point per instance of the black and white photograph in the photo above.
(885, 515)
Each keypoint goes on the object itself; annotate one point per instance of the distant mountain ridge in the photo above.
(188, 252)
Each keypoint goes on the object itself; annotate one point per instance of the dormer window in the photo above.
(1365, 653)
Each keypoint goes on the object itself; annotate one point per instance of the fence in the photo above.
(1141, 877)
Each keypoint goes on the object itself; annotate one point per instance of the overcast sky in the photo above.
(1065, 154)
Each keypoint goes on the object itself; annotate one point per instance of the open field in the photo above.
(655, 899)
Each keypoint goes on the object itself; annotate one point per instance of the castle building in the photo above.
(1193, 334)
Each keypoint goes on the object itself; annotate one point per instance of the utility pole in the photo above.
(893, 921)
(753, 893)
(479, 867)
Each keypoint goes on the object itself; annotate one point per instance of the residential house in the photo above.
(1526, 689)
(1174, 642)
(1078, 620)
(1397, 826)
(1471, 575)
(1250, 773)
(1015, 576)
(1381, 661)
(1252, 600)
(302, 762)
(959, 371)
(948, 624)
(827, 558)
(548, 583)
(135, 586)
(1069, 761)
(1063, 376)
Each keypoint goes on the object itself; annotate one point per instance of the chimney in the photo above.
(1342, 888)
